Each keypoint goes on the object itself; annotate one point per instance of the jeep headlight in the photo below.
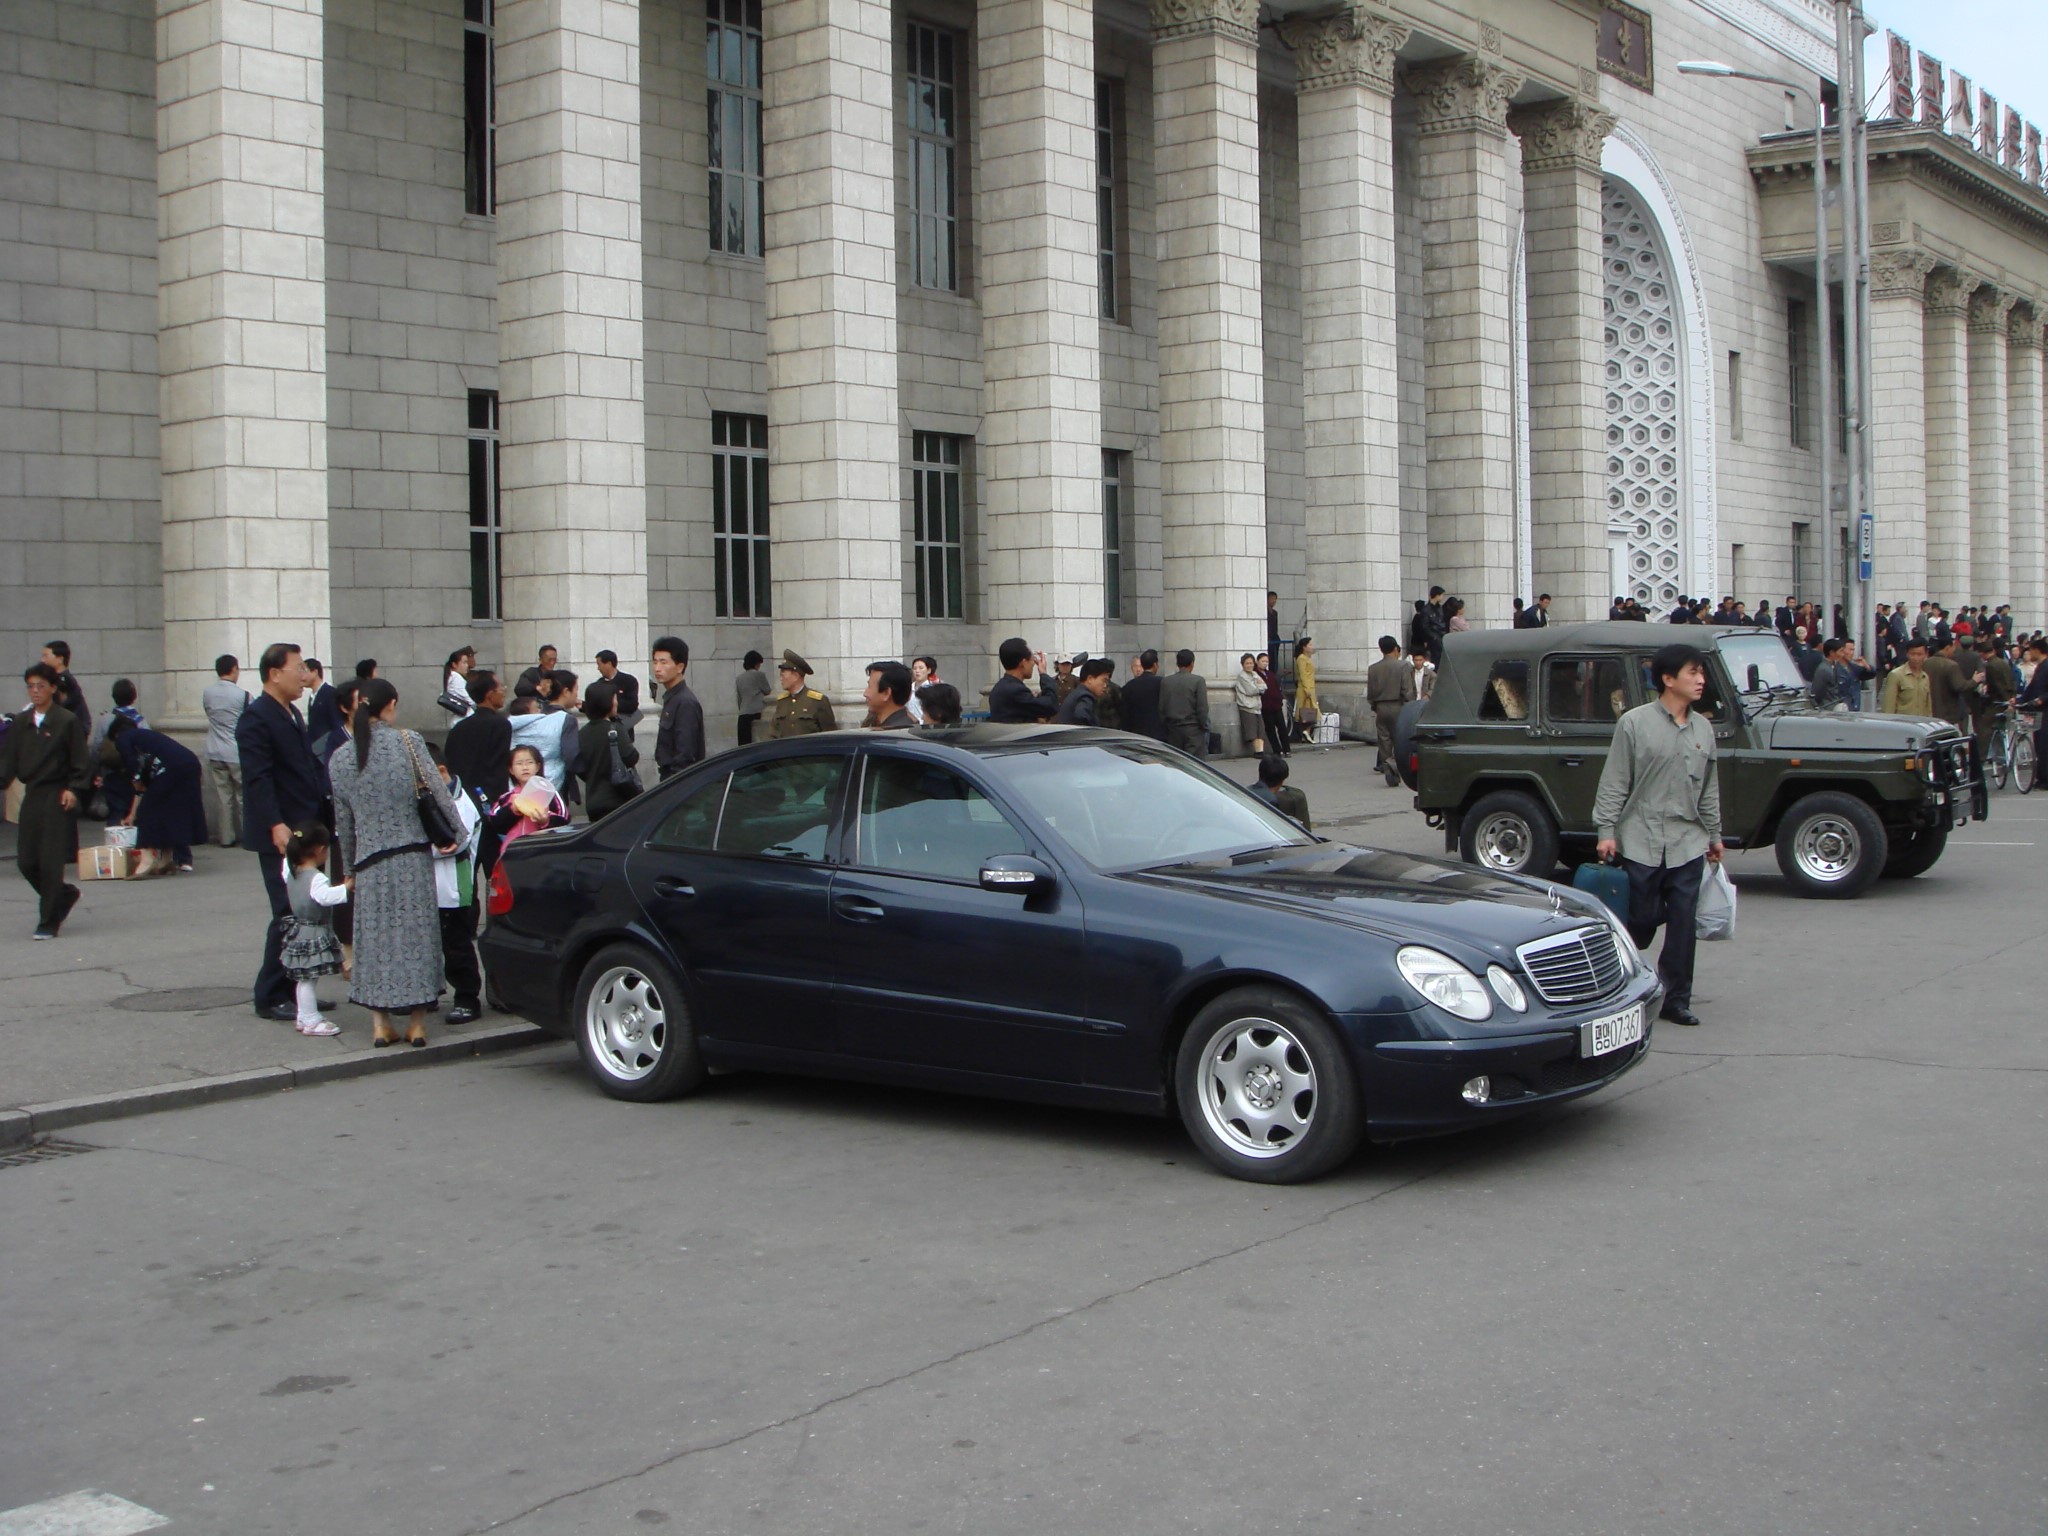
(1441, 980)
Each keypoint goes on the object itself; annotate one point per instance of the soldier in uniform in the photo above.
(793, 709)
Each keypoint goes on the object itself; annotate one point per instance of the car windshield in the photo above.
(1774, 665)
(1129, 807)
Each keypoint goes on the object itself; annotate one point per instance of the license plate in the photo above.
(1611, 1033)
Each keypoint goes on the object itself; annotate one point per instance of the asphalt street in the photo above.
(1787, 1276)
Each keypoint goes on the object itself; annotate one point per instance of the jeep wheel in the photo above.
(1832, 845)
(1915, 851)
(1509, 833)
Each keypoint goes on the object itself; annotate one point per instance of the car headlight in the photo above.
(1507, 989)
(1444, 982)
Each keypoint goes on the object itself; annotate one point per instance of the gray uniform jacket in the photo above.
(1184, 700)
(376, 810)
(223, 702)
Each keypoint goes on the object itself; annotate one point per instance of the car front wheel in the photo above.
(1509, 833)
(1266, 1089)
(1832, 845)
(633, 1027)
(1915, 852)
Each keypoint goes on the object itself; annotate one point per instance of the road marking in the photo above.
(85, 1513)
(1982, 844)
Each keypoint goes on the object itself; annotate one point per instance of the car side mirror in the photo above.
(1756, 678)
(1018, 874)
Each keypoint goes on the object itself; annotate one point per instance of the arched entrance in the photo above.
(1648, 523)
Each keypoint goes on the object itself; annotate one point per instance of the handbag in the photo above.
(1606, 884)
(1715, 915)
(624, 775)
(457, 707)
(435, 821)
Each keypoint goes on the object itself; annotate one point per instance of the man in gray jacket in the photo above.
(224, 700)
(1184, 707)
(1389, 684)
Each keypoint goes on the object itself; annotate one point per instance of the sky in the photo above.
(2002, 45)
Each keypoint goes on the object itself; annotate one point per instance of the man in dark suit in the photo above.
(624, 684)
(1011, 701)
(282, 784)
(1141, 699)
(323, 711)
(480, 744)
(44, 747)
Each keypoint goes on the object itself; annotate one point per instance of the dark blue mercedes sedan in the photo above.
(1069, 915)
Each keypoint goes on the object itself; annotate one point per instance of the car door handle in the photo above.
(1575, 762)
(857, 909)
(668, 885)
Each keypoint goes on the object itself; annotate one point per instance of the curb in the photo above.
(20, 1126)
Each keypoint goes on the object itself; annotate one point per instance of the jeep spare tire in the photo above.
(1509, 833)
(1404, 741)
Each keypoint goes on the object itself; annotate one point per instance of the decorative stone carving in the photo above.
(1989, 308)
(2027, 327)
(1489, 37)
(1589, 83)
(1949, 290)
(1561, 135)
(1354, 47)
(1179, 18)
(1900, 274)
(1462, 93)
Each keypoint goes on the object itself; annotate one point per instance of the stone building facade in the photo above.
(881, 327)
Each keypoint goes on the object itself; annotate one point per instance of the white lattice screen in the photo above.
(1645, 505)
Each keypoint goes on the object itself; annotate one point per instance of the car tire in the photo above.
(1914, 852)
(633, 1027)
(1831, 845)
(1266, 1088)
(1509, 833)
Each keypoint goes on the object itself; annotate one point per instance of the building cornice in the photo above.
(1925, 153)
(1801, 30)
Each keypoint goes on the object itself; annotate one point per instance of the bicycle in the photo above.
(2009, 754)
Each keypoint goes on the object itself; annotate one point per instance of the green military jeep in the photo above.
(1506, 753)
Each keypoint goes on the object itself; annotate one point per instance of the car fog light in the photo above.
(1478, 1090)
(1507, 989)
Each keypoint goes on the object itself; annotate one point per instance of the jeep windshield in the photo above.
(1760, 664)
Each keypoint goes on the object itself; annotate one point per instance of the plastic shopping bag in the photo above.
(1716, 918)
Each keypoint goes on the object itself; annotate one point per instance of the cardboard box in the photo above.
(109, 863)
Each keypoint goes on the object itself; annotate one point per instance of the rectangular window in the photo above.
(479, 107)
(932, 111)
(486, 573)
(732, 109)
(1113, 533)
(739, 515)
(1795, 355)
(1734, 397)
(1105, 193)
(1585, 690)
(935, 523)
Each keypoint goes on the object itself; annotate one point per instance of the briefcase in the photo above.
(1606, 884)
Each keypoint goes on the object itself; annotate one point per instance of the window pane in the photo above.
(480, 576)
(783, 809)
(760, 507)
(694, 823)
(762, 588)
(1592, 690)
(921, 820)
(953, 581)
(479, 483)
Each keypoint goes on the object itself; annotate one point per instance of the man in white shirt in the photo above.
(224, 700)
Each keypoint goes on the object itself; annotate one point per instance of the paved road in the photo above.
(1788, 1276)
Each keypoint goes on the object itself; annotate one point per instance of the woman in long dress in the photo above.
(168, 813)
(378, 778)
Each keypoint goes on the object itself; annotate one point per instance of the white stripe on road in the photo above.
(85, 1513)
(1980, 843)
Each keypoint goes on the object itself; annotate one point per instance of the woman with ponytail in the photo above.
(379, 779)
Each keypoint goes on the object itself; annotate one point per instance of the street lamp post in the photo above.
(1825, 315)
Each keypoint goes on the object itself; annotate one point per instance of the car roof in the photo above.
(984, 737)
(1604, 634)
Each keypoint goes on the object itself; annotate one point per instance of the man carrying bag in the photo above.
(1659, 808)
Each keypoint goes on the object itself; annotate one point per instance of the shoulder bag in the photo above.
(435, 821)
(624, 776)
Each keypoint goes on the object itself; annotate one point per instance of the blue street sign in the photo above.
(1866, 545)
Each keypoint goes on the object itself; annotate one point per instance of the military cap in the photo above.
(796, 663)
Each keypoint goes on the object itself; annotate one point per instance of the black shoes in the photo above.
(285, 1012)
(1671, 1013)
(463, 1013)
(64, 906)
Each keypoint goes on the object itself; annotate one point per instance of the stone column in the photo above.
(1041, 426)
(832, 415)
(2029, 590)
(1567, 359)
(1351, 407)
(1948, 437)
(571, 383)
(242, 335)
(1212, 423)
(1990, 519)
(1898, 424)
(1468, 351)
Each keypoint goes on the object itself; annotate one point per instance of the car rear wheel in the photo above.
(1915, 852)
(633, 1027)
(1832, 845)
(1509, 833)
(1266, 1089)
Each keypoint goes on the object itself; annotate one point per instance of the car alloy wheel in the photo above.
(1266, 1089)
(1508, 832)
(1832, 845)
(1827, 849)
(1502, 842)
(633, 1026)
(626, 1022)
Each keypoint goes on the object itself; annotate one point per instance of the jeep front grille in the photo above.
(1575, 967)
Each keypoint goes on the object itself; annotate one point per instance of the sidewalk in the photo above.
(144, 1001)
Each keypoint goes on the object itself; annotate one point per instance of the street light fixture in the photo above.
(1714, 69)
